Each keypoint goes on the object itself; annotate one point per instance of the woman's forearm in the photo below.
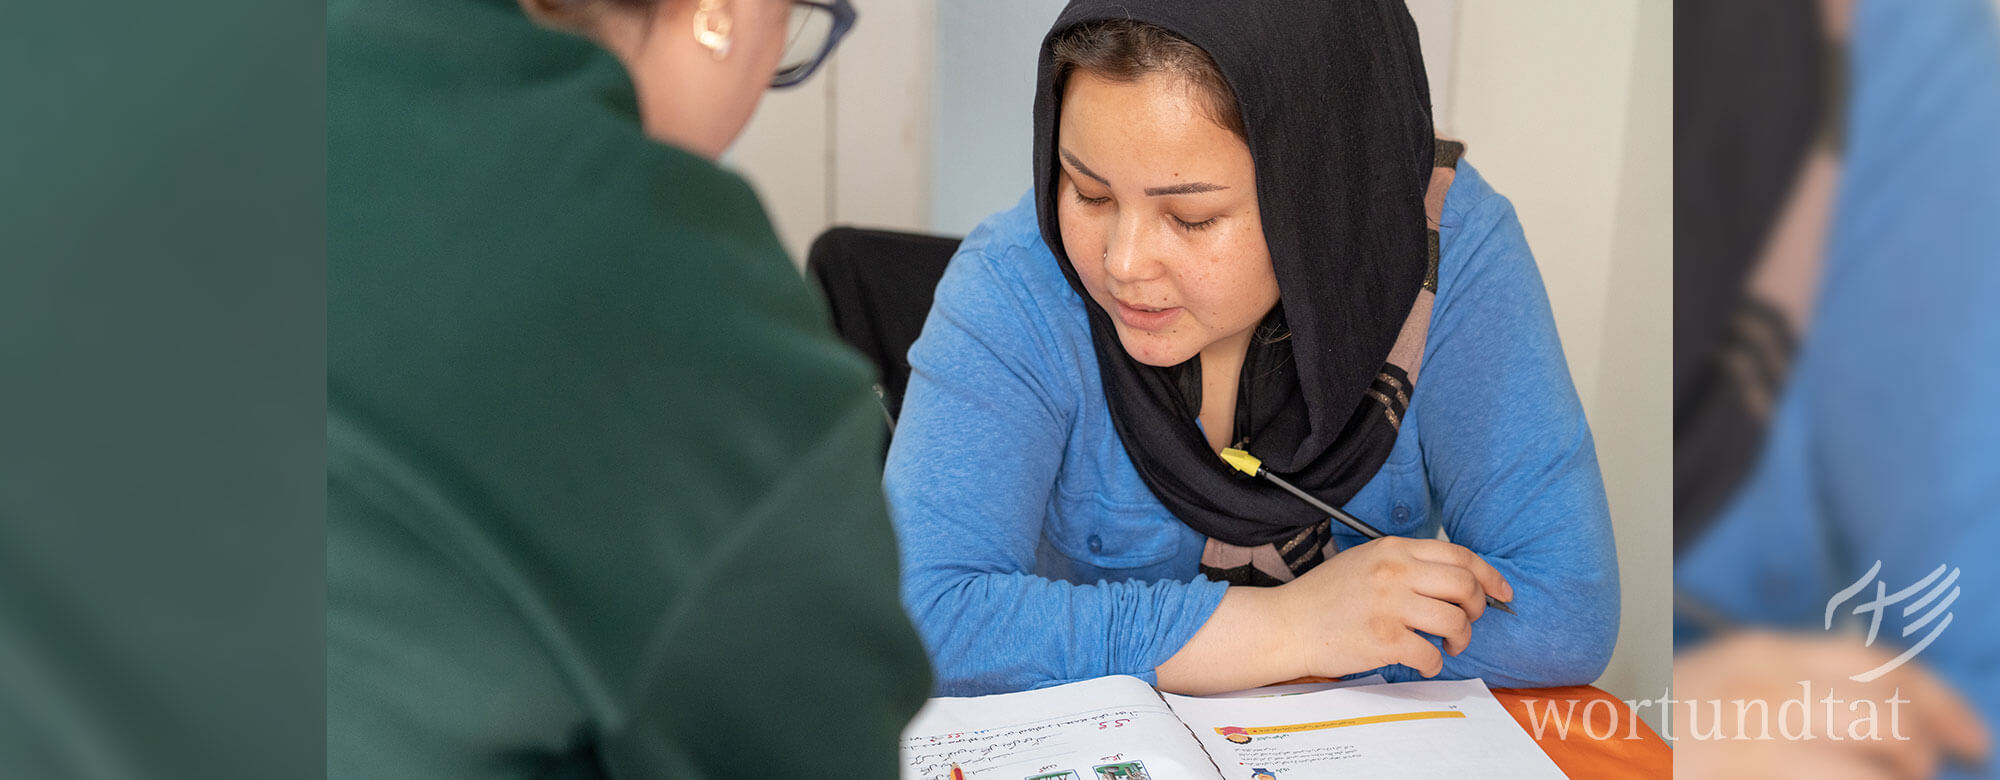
(1244, 644)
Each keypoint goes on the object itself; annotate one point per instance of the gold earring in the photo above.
(711, 27)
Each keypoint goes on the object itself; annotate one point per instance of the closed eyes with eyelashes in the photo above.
(1184, 224)
(1188, 188)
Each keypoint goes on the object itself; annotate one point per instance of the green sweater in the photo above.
(603, 490)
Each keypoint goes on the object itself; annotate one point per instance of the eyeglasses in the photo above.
(814, 29)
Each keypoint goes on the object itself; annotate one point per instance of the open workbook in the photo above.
(1119, 728)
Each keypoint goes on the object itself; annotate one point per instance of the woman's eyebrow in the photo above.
(1083, 169)
(1189, 188)
(1185, 189)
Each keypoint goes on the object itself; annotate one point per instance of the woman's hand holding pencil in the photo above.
(1364, 608)
(1368, 606)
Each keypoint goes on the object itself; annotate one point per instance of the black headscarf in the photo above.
(1337, 112)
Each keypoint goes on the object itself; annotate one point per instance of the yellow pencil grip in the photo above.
(1242, 461)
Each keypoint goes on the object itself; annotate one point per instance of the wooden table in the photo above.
(1603, 741)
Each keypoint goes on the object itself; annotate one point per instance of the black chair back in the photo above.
(878, 284)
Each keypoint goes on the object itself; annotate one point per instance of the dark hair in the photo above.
(1124, 50)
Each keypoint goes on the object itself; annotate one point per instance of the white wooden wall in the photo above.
(852, 145)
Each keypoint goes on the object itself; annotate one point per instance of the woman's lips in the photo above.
(1143, 319)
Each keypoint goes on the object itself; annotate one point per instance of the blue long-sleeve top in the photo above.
(1885, 446)
(1033, 554)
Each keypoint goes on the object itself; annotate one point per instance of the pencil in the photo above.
(957, 773)
(1249, 464)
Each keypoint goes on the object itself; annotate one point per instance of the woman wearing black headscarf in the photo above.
(1244, 234)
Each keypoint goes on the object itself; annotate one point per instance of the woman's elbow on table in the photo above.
(1583, 660)
(1573, 645)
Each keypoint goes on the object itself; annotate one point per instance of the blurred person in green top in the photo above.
(603, 489)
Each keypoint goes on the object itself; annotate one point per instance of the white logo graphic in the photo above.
(1884, 600)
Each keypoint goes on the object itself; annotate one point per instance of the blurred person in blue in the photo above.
(1837, 443)
(1245, 234)
(603, 489)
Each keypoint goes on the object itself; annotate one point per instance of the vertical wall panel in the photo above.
(882, 117)
(786, 155)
